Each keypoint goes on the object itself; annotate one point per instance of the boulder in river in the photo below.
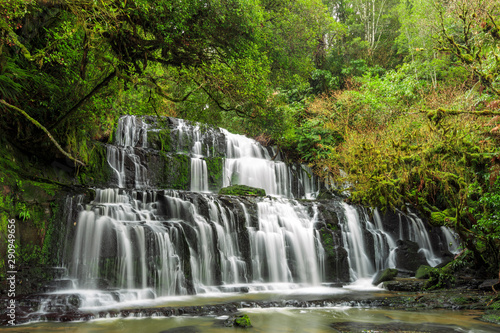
(387, 274)
(408, 255)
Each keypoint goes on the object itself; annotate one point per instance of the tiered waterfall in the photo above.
(161, 229)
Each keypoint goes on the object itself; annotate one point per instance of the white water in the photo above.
(285, 234)
(149, 244)
(419, 234)
(356, 229)
(352, 236)
(451, 240)
(248, 163)
(131, 133)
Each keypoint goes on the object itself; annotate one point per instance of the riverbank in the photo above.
(65, 307)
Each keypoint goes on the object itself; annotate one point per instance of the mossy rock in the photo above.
(215, 169)
(423, 272)
(386, 275)
(325, 194)
(243, 190)
(242, 321)
(97, 172)
(160, 140)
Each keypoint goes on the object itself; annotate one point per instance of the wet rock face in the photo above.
(408, 256)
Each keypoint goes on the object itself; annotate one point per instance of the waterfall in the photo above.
(248, 163)
(451, 240)
(419, 234)
(283, 244)
(137, 241)
(131, 133)
(352, 235)
(384, 243)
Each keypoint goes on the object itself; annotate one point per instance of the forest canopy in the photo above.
(398, 100)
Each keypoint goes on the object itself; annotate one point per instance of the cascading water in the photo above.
(372, 248)
(131, 133)
(352, 235)
(136, 241)
(285, 237)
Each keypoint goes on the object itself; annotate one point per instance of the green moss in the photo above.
(215, 167)
(327, 241)
(243, 321)
(243, 190)
(177, 171)
(386, 275)
(423, 272)
(460, 300)
(439, 278)
(492, 317)
(97, 171)
(160, 140)
(443, 218)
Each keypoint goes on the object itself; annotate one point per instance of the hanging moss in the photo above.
(443, 218)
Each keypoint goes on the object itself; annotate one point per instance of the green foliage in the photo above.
(22, 211)
(495, 305)
(457, 23)
(314, 142)
(487, 226)
(439, 278)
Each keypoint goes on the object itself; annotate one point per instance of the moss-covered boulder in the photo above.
(423, 272)
(243, 190)
(242, 321)
(387, 274)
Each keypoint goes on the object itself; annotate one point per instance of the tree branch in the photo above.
(160, 92)
(37, 124)
(83, 100)
(457, 112)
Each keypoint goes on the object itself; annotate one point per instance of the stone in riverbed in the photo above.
(238, 321)
(386, 275)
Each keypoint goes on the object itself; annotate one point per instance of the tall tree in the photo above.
(64, 62)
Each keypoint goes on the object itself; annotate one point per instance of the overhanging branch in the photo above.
(83, 100)
(37, 124)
